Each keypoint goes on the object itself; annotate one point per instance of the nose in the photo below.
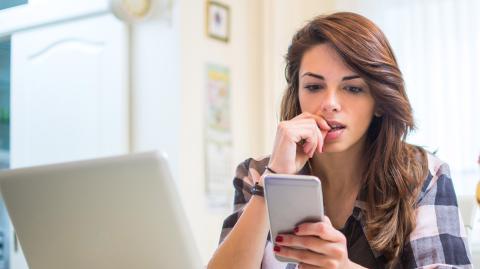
(330, 102)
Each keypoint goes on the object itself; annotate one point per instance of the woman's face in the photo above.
(330, 89)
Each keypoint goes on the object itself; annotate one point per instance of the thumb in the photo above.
(326, 220)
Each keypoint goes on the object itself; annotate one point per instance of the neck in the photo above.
(341, 172)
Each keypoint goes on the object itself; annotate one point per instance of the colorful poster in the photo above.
(218, 137)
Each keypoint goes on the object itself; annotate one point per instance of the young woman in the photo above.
(345, 116)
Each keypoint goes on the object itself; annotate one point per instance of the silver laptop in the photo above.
(111, 213)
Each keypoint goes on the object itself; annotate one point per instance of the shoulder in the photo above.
(437, 189)
(439, 236)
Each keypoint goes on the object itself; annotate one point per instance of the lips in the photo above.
(335, 125)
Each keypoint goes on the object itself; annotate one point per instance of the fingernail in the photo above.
(276, 248)
(279, 238)
(295, 230)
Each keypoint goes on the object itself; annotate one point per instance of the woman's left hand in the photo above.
(322, 246)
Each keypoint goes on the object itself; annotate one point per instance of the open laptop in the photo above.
(111, 213)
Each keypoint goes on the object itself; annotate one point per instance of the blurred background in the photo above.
(202, 80)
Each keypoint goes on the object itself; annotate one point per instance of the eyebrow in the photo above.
(310, 74)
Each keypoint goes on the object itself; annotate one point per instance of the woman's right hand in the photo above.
(296, 141)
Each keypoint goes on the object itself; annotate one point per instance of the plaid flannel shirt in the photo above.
(437, 241)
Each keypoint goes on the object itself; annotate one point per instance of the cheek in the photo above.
(363, 115)
(304, 105)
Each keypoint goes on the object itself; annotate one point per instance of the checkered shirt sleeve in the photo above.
(247, 173)
(439, 239)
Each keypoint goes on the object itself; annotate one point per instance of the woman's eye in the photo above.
(313, 87)
(354, 89)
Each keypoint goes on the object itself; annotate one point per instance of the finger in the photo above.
(301, 255)
(308, 134)
(307, 266)
(324, 133)
(310, 123)
(311, 146)
(306, 119)
(297, 126)
(311, 149)
(307, 148)
(322, 229)
(320, 139)
(327, 220)
(318, 142)
(304, 115)
(322, 127)
(312, 243)
(302, 132)
(321, 122)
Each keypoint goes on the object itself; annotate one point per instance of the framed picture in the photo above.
(218, 21)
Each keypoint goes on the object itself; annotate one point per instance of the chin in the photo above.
(334, 148)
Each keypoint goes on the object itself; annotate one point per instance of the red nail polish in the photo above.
(279, 238)
(276, 248)
(295, 230)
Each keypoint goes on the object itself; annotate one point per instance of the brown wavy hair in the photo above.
(395, 170)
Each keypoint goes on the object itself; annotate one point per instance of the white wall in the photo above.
(240, 55)
(156, 91)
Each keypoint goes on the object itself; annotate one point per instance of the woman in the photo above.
(345, 116)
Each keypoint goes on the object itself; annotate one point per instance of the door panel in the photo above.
(69, 92)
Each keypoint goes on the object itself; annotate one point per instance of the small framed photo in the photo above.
(218, 21)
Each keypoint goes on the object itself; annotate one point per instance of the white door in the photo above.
(69, 91)
(69, 95)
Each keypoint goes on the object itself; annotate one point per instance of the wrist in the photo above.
(269, 170)
(257, 190)
(273, 168)
(281, 167)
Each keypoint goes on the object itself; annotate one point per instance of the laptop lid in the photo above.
(117, 212)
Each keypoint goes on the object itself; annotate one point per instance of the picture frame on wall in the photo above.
(218, 21)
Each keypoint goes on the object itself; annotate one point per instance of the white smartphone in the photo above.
(292, 200)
